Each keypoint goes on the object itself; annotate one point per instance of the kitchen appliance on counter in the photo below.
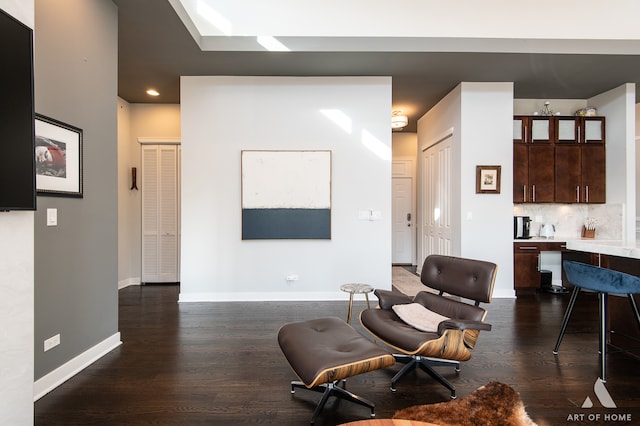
(547, 230)
(521, 227)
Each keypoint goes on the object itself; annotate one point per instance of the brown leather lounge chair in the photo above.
(454, 337)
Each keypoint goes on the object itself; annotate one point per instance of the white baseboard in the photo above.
(503, 294)
(63, 373)
(270, 297)
(129, 281)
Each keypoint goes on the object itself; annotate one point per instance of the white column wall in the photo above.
(487, 139)
(17, 292)
(222, 116)
(479, 116)
(618, 105)
(440, 121)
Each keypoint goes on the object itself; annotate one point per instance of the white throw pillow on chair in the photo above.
(419, 317)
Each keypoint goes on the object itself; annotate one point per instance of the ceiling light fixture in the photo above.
(398, 120)
(153, 92)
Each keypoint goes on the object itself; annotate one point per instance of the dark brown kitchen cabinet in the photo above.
(533, 171)
(533, 129)
(526, 264)
(559, 159)
(594, 173)
(533, 159)
(587, 130)
(580, 173)
(526, 271)
(624, 332)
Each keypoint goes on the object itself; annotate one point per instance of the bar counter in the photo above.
(609, 247)
(624, 257)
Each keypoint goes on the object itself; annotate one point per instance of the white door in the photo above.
(402, 228)
(159, 187)
(436, 200)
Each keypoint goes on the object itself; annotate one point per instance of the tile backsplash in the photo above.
(569, 218)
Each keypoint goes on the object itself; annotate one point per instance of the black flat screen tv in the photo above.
(17, 114)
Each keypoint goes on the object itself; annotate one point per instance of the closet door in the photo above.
(436, 228)
(160, 237)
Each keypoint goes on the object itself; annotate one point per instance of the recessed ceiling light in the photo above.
(153, 92)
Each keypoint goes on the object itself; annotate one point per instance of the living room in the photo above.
(72, 271)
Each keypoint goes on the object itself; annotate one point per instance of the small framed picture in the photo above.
(58, 158)
(488, 179)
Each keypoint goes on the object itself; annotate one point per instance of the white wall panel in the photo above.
(283, 113)
(17, 291)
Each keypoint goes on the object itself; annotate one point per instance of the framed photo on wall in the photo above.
(58, 154)
(488, 179)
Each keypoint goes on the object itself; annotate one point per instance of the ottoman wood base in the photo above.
(324, 351)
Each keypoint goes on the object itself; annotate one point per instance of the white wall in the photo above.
(487, 139)
(405, 157)
(618, 105)
(128, 213)
(480, 116)
(17, 292)
(283, 113)
(153, 121)
(16, 317)
(405, 145)
(438, 123)
(563, 106)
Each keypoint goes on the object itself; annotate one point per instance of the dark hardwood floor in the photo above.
(219, 364)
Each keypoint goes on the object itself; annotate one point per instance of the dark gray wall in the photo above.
(76, 46)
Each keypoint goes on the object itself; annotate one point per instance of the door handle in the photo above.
(409, 217)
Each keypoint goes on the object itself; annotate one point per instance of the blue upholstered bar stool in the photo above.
(604, 282)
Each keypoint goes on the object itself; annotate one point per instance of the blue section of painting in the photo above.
(273, 224)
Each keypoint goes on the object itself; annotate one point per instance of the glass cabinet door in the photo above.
(541, 130)
(567, 130)
(593, 130)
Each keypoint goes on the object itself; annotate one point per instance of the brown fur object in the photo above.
(494, 404)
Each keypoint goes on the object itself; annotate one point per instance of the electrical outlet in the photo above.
(292, 278)
(52, 342)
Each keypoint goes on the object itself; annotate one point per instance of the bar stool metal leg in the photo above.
(567, 316)
(603, 336)
(634, 306)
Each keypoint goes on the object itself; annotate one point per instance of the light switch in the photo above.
(52, 217)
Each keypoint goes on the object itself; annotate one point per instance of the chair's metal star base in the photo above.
(331, 389)
(425, 363)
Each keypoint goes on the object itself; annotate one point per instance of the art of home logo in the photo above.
(603, 396)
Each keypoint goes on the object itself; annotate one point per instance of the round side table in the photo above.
(356, 288)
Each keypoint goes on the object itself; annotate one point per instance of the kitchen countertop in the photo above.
(610, 247)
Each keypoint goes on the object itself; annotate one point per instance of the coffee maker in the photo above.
(521, 227)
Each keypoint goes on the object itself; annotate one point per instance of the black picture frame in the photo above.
(59, 158)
